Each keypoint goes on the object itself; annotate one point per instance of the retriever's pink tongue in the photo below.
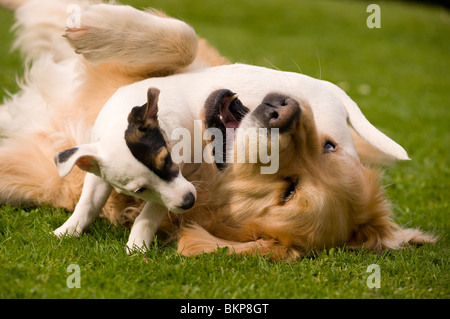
(228, 118)
(234, 125)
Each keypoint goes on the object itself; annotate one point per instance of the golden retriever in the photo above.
(319, 198)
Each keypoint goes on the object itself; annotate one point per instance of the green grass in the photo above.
(405, 70)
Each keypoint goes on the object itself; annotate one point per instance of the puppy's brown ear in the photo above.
(147, 114)
(152, 104)
(374, 228)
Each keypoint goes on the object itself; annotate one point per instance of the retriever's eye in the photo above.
(139, 190)
(290, 190)
(329, 146)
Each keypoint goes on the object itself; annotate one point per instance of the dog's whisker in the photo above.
(278, 69)
(298, 67)
(271, 64)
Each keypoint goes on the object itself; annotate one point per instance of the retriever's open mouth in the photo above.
(223, 110)
(232, 111)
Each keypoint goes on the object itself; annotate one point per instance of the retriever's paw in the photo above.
(93, 32)
(115, 33)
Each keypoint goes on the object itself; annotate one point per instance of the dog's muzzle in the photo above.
(277, 111)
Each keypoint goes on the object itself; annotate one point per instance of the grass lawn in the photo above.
(400, 77)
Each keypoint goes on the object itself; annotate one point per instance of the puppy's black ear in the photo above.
(152, 104)
(147, 114)
(84, 156)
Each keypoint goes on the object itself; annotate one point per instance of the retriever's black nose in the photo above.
(188, 201)
(277, 111)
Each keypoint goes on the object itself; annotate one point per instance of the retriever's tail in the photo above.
(46, 87)
(12, 5)
(40, 25)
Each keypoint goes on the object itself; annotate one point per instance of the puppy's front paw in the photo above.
(68, 230)
(134, 246)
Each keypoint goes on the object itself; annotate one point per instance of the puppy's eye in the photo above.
(168, 161)
(329, 146)
(139, 190)
(290, 190)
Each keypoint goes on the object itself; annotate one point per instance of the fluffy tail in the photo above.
(47, 86)
(12, 5)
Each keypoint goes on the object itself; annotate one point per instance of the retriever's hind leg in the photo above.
(146, 41)
(40, 24)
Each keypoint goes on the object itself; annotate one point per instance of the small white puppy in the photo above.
(130, 153)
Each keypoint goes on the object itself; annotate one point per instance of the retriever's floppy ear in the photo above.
(368, 154)
(374, 228)
(366, 130)
(84, 156)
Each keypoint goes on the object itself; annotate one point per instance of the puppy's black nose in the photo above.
(188, 201)
(277, 111)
